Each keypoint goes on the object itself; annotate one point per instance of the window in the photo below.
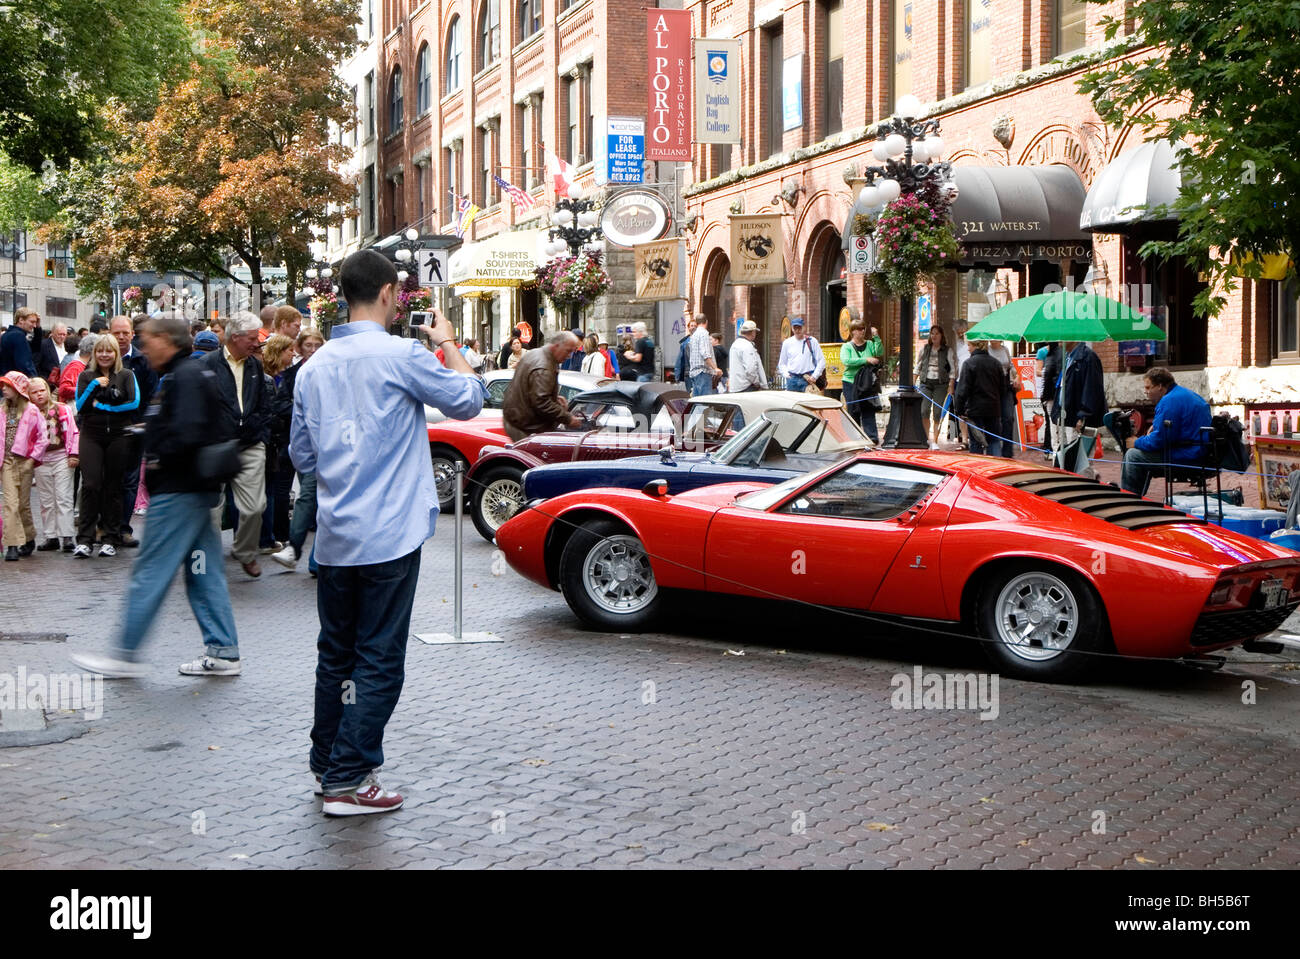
(589, 117)
(489, 33)
(486, 169)
(9, 301)
(525, 176)
(423, 82)
(833, 90)
(396, 187)
(370, 200)
(1286, 320)
(354, 221)
(530, 18)
(867, 491)
(721, 158)
(370, 18)
(370, 105)
(451, 175)
(421, 189)
(356, 116)
(573, 114)
(901, 62)
(774, 42)
(979, 42)
(453, 55)
(1070, 22)
(395, 101)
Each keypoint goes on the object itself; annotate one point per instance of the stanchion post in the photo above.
(460, 544)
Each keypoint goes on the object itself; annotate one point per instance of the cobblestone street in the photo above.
(561, 747)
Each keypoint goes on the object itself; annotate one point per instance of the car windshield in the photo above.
(868, 491)
(616, 416)
(707, 422)
(765, 499)
(796, 432)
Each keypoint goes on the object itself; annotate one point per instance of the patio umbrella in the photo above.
(1066, 316)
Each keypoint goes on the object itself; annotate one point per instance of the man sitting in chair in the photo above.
(1185, 412)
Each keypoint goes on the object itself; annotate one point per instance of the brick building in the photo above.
(473, 88)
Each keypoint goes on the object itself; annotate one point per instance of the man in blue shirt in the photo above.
(1185, 412)
(358, 423)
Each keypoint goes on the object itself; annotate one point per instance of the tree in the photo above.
(236, 157)
(61, 60)
(1232, 73)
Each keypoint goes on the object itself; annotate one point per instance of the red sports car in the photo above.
(1044, 566)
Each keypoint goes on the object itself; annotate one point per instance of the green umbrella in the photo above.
(1068, 316)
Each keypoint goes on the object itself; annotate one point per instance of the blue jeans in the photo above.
(1139, 466)
(304, 513)
(984, 433)
(861, 409)
(179, 532)
(365, 617)
(701, 384)
(645, 377)
(796, 384)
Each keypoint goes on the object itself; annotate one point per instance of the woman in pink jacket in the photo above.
(54, 474)
(24, 448)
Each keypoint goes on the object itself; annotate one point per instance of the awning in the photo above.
(1131, 188)
(1013, 214)
(507, 259)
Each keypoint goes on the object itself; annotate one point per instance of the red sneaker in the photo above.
(367, 798)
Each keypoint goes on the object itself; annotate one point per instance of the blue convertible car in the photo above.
(812, 433)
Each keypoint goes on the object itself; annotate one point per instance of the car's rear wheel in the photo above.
(1041, 622)
(495, 497)
(606, 577)
(444, 474)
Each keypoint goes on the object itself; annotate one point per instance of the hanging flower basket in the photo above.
(133, 299)
(412, 298)
(914, 241)
(574, 280)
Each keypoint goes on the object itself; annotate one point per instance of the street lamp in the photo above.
(407, 247)
(320, 280)
(908, 153)
(575, 227)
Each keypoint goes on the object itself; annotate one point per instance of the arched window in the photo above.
(489, 33)
(395, 100)
(423, 82)
(530, 18)
(453, 55)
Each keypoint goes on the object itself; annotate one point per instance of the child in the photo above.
(24, 447)
(54, 475)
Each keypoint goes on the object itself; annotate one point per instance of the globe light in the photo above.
(327, 272)
(564, 217)
(935, 145)
(575, 191)
(311, 273)
(895, 145)
(889, 190)
(869, 197)
(588, 218)
(412, 234)
(401, 276)
(949, 190)
(878, 151)
(920, 151)
(908, 106)
(403, 255)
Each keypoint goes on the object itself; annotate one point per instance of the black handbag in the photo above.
(217, 462)
(820, 382)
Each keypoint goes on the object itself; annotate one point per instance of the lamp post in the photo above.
(407, 247)
(908, 152)
(575, 227)
(319, 278)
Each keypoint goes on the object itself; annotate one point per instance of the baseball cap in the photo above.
(796, 321)
(1042, 352)
(749, 326)
(206, 341)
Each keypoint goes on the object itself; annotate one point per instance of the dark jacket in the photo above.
(252, 424)
(106, 409)
(15, 354)
(982, 385)
(532, 400)
(1085, 392)
(49, 361)
(1052, 376)
(280, 419)
(182, 417)
(145, 377)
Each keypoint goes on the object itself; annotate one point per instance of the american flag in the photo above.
(521, 198)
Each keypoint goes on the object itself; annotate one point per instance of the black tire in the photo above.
(490, 496)
(444, 474)
(1062, 645)
(587, 560)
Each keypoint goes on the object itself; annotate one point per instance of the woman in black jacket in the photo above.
(277, 355)
(107, 396)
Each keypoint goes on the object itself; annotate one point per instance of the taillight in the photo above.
(1262, 588)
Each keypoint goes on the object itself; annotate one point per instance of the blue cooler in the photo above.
(1258, 523)
(1290, 538)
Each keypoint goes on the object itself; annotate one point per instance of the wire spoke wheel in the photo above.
(1036, 616)
(617, 577)
(502, 498)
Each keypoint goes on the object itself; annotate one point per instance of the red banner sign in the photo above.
(668, 117)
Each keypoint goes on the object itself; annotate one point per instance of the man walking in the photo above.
(980, 391)
(640, 359)
(182, 418)
(801, 361)
(746, 366)
(358, 422)
(532, 402)
(245, 413)
(1083, 391)
(701, 368)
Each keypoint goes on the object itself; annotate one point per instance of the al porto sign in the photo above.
(1000, 253)
(668, 114)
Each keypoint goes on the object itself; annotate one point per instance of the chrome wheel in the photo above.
(444, 476)
(502, 498)
(1036, 616)
(617, 577)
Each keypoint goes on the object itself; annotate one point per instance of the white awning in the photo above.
(1134, 188)
(506, 259)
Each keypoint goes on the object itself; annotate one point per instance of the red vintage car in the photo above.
(1046, 568)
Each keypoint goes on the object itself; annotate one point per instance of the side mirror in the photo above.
(666, 456)
(656, 489)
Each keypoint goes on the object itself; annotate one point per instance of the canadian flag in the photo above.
(562, 174)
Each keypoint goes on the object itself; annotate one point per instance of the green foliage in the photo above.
(914, 241)
(1225, 80)
(62, 60)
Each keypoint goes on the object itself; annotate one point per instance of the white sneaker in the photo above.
(368, 798)
(82, 551)
(106, 549)
(286, 558)
(210, 666)
(107, 666)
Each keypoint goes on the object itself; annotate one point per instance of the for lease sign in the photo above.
(668, 116)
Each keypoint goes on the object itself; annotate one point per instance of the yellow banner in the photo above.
(757, 250)
(657, 277)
